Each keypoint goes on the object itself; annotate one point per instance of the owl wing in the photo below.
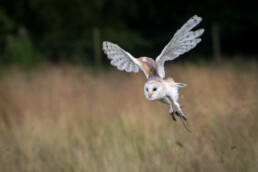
(124, 60)
(183, 41)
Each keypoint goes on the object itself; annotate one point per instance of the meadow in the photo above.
(66, 118)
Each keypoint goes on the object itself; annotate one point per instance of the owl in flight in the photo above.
(157, 87)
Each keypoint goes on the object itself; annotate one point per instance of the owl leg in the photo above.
(167, 101)
(179, 109)
(174, 98)
(172, 113)
(181, 114)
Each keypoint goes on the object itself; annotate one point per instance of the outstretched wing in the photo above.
(183, 41)
(124, 60)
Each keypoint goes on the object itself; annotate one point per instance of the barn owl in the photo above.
(157, 87)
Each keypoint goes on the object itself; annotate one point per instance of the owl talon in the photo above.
(173, 116)
(180, 115)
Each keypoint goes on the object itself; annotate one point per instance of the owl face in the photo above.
(152, 90)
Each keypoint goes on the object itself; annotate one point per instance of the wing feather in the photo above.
(135, 68)
(122, 65)
(122, 59)
(128, 67)
(183, 41)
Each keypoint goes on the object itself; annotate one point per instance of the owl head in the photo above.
(153, 90)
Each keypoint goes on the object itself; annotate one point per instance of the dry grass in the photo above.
(66, 119)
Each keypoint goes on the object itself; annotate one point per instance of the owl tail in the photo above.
(179, 85)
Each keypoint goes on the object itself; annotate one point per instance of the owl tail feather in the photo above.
(179, 85)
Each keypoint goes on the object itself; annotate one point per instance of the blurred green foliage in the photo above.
(62, 30)
(19, 50)
(7, 25)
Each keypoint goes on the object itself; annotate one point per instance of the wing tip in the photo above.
(202, 30)
(104, 45)
(198, 40)
(199, 32)
(198, 18)
(180, 84)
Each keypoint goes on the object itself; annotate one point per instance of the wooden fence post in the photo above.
(97, 48)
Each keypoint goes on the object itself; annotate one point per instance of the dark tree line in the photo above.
(63, 30)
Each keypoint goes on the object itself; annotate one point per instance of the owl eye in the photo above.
(147, 89)
(154, 89)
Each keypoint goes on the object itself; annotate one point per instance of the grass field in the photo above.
(63, 118)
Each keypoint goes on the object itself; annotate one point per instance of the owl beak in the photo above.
(150, 95)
